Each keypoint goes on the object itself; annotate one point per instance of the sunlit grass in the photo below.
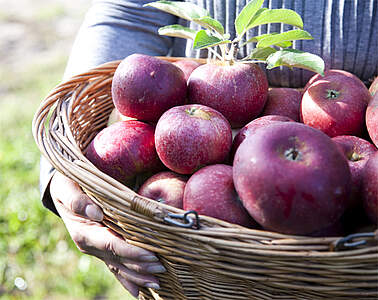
(38, 259)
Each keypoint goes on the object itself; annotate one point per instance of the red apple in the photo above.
(210, 192)
(336, 73)
(284, 102)
(166, 187)
(292, 178)
(357, 151)
(251, 128)
(144, 87)
(335, 104)
(124, 150)
(189, 137)
(372, 119)
(370, 188)
(238, 91)
(374, 86)
(187, 66)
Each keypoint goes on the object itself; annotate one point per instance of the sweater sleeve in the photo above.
(111, 30)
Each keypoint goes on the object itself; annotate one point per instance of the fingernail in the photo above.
(148, 258)
(94, 213)
(156, 269)
(152, 285)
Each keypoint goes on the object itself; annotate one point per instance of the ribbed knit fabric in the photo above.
(345, 35)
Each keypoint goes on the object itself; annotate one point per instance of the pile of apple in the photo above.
(215, 139)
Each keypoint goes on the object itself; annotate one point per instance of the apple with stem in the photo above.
(292, 178)
(335, 104)
(192, 136)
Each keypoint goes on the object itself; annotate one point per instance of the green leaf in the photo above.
(281, 15)
(246, 15)
(258, 38)
(291, 35)
(259, 11)
(178, 31)
(184, 10)
(261, 53)
(204, 39)
(295, 58)
(210, 23)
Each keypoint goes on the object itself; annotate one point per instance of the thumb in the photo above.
(72, 197)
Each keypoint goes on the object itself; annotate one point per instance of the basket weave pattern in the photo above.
(218, 261)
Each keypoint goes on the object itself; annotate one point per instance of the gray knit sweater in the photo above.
(345, 35)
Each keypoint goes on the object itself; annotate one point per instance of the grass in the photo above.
(38, 259)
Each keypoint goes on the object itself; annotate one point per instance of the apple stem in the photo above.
(354, 157)
(292, 154)
(332, 94)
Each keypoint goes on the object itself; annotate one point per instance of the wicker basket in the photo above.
(217, 261)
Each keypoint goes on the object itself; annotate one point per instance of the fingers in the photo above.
(143, 267)
(128, 285)
(139, 279)
(70, 194)
(132, 266)
(95, 239)
(106, 244)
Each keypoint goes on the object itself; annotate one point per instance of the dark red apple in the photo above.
(292, 178)
(284, 102)
(144, 87)
(189, 137)
(335, 104)
(187, 66)
(370, 188)
(166, 187)
(372, 119)
(210, 191)
(357, 151)
(124, 150)
(238, 91)
(374, 86)
(252, 126)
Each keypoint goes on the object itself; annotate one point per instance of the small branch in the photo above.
(223, 51)
(215, 53)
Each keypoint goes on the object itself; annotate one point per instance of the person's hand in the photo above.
(131, 265)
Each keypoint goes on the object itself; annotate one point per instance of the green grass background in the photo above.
(38, 260)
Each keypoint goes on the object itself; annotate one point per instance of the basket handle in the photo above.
(353, 240)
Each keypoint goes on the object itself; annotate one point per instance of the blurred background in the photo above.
(37, 258)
